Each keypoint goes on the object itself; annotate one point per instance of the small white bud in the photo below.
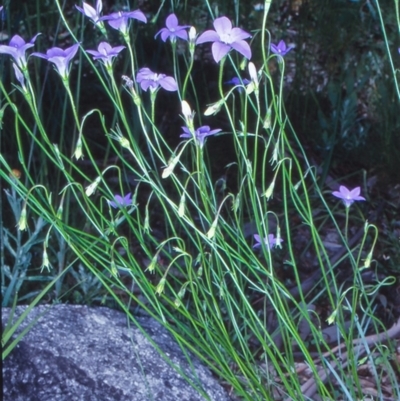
(90, 190)
(192, 34)
(170, 168)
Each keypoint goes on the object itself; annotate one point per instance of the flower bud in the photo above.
(170, 168)
(214, 108)
(22, 220)
(270, 190)
(181, 208)
(78, 150)
(211, 231)
(91, 189)
(46, 262)
(160, 286)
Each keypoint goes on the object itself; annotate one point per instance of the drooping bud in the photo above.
(270, 190)
(22, 224)
(211, 231)
(170, 168)
(78, 149)
(214, 108)
(91, 189)
(160, 286)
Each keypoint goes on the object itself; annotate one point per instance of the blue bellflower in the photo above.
(281, 48)
(120, 20)
(237, 81)
(173, 30)
(90, 12)
(60, 58)
(348, 196)
(149, 79)
(17, 48)
(225, 38)
(121, 201)
(105, 53)
(270, 241)
(200, 134)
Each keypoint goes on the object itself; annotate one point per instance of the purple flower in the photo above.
(120, 201)
(173, 30)
(149, 79)
(106, 53)
(237, 81)
(89, 11)
(60, 58)
(17, 48)
(226, 38)
(269, 241)
(200, 134)
(120, 20)
(281, 48)
(348, 196)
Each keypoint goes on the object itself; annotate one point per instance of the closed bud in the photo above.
(124, 142)
(211, 231)
(181, 208)
(270, 190)
(59, 212)
(91, 189)
(214, 108)
(153, 263)
(46, 262)
(78, 150)
(114, 270)
(186, 110)
(192, 34)
(192, 40)
(278, 238)
(332, 317)
(236, 204)
(267, 120)
(177, 303)
(170, 168)
(367, 261)
(22, 224)
(160, 286)
(253, 85)
(243, 63)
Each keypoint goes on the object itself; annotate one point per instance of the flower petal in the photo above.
(207, 36)
(182, 34)
(219, 50)
(137, 14)
(223, 25)
(239, 34)
(169, 84)
(344, 191)
(243, 48)
(171, 22)
(354, 192)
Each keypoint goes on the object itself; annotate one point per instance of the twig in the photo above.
(309, 388)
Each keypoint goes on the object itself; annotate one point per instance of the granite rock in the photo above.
(92, 354)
